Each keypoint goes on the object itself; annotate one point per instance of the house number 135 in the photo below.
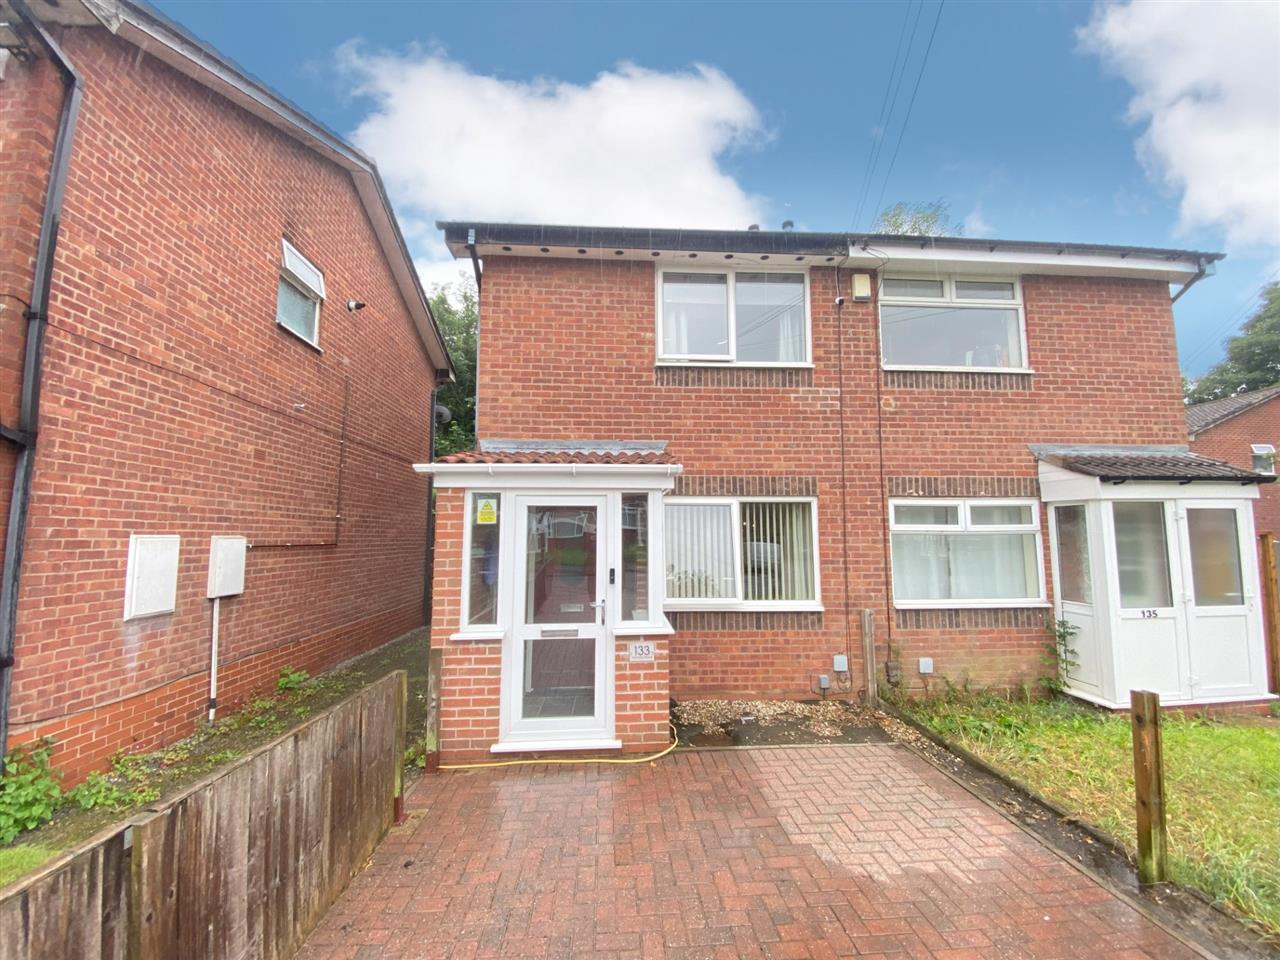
(1149, 614)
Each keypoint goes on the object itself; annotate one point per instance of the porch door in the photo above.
(556, 674)
(1223, 614)
(1152, 637)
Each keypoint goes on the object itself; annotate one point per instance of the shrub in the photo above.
(29, 790)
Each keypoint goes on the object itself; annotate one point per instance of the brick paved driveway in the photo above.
(797, 852)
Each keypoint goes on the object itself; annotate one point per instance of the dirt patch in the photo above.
(754, 723)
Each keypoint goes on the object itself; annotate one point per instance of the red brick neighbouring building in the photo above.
(705, 456)
(1244, 430)
(202, 376)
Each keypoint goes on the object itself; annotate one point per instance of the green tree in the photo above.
(1253, 355)
(918, 219)
(456, 309)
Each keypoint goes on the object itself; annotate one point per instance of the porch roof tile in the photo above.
(1185, 467)
(564, 451)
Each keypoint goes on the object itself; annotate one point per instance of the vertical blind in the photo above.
(700, 560)
(777, 551)
(774, 563)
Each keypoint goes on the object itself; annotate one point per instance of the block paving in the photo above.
(820, 851)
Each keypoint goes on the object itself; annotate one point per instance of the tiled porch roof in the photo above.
(1183, 467)
(561, 451)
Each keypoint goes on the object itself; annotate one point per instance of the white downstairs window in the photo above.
(741, 553)
(951, 323)
(966, 553)
(299, 295)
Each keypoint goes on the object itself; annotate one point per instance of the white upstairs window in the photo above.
(299, 295)
(1264, 458)
(952, 323)
(751, 317)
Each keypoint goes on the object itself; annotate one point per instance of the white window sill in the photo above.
(541, 746)
(462, 636)
(971, 604)
(643, 630)
(931, 369)
(743, 607)
(762, 365)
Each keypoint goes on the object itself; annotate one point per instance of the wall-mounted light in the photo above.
(354, 305)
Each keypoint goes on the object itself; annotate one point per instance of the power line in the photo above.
(911, 103)
(873, 151)
(1231, 323)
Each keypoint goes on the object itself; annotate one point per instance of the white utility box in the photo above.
(226, 566)
(151, 577)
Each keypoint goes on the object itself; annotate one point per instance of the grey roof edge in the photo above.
(1042, 451)
(573, 446)
(774, 241)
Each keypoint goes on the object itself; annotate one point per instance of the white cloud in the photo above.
(633, 147)
(1206, 80)
(976, 225)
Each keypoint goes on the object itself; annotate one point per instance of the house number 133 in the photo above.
(641, 651)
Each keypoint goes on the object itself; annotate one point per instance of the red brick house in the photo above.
(704, 456)
(1244, 430)
(217, 367)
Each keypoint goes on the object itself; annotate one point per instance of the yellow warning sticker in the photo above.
(486, 510)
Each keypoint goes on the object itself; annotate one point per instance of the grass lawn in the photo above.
(1222, 784)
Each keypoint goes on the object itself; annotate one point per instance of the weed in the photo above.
(416, 755)
(29, 790)
(102, 792)
(291, 679)
(1059, 656)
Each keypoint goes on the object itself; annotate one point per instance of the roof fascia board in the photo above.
(905, 257)
(631, 476)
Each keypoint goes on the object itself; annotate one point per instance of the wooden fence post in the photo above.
(435, 664)
(1148, 778)
(1271, 596)
(869, 658)
(401, 743)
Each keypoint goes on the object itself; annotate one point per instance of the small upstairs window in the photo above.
(299, 295)
(1264, 458)
(949, 323)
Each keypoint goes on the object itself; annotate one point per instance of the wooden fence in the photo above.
(239, 866)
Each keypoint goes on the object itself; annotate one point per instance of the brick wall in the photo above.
(567, 352)
(1231, 441)
(174, 404)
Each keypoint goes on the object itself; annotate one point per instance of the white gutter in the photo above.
(567, 469)
(918, 257)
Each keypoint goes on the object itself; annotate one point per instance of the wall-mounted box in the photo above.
(151, 576)
(226, 566)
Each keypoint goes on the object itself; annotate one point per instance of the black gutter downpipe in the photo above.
(37, 318)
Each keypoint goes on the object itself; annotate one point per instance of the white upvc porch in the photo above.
(1160, 578)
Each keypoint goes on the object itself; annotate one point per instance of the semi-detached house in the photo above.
(707, 458)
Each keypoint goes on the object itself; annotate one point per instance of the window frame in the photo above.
(1265, 450)
(949, 299)
(466, 629)
(737, 602)
(731, 358)
(303, 287)
(965, 527)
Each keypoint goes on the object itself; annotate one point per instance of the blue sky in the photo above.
(522, 111)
